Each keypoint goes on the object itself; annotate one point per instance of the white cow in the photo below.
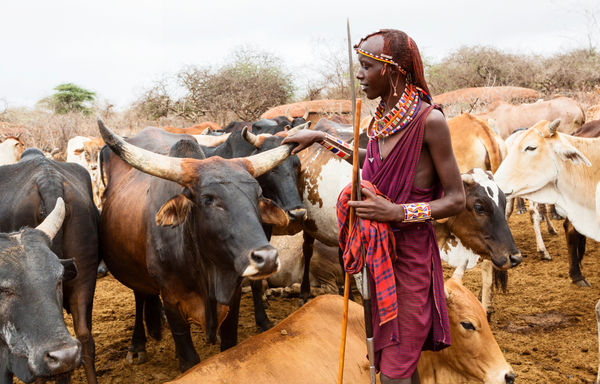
(11, 149)
(85, 151)
(550, 167)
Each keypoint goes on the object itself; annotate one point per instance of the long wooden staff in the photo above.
(356, 196)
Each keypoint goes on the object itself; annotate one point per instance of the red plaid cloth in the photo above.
(380, 246)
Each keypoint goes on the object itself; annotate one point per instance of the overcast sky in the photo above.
(116, 47)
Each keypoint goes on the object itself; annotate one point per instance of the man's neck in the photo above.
(388, 97)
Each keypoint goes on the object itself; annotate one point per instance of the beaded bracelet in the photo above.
(416, 212)
(337, 146)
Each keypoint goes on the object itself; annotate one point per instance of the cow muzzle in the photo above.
(58, 361)
(508, 260)
(263, 263)
(297, 215)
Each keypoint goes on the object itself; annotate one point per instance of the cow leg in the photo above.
(549, 225)
(576, 249)
(487, 277)
(230, 324)
(180, 329)
(6, 377)
(138, 340)
(81, 304)
(520, 206)
(260, 315)
(535, 221)
(555, 215)
(307, 251)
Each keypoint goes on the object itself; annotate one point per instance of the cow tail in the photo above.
(492, 149)
(501, 280)
(153, 314)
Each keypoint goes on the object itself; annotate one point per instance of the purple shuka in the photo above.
(422, 322)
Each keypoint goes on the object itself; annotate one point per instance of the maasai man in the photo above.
(410, 161)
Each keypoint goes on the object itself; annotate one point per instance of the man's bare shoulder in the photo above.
(435, 118)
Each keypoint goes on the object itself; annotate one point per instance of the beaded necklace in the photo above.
(399, 117)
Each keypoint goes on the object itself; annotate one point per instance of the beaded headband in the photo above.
(383, 58)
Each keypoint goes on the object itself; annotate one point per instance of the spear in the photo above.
(356, 196)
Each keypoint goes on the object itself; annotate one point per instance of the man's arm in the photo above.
(306, 138)
(437, 138)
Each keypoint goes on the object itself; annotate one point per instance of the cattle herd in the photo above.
(185, 217)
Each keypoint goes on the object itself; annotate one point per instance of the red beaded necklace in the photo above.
(399, 117)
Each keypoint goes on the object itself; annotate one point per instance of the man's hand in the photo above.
(377, 208)
(305, 138)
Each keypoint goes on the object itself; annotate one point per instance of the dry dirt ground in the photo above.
(545, 325)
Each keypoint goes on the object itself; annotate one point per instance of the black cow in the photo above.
(29, 190)
(271, 126)
(186, 228)
(34, 341)
(279, 185)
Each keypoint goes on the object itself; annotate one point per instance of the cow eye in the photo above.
(530, 148)
(467, 325)
(5, 291)
(479, 208)
(208, 200)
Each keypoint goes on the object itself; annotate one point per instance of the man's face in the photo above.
(369, 73)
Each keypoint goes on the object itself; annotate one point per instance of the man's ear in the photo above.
(70, 269)
(271, 213)
(175, 211)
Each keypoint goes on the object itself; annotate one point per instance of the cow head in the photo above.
(281, 183)
(224, 201)
(296, 121)
(481, 229)
(533, 163)
(34, 341)
(15, 147)
(474, 353)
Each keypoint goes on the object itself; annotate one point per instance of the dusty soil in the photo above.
(545, 325)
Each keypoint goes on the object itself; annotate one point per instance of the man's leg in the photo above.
(414, 379)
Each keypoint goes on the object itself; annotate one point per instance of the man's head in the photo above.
(389, 58)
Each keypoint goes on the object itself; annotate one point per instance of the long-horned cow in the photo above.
(185, 228)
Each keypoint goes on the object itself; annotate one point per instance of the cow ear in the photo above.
(467, 178)
(70, 269)
(272, 214)
(78, 151)
(568, 152)
(175, 211)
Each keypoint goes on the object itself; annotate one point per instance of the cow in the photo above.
(270, 126)
(196, 129)
(560, 172)
(85, 151)
(313, 110)
(589, 129)
(475, 144)
(186, 228)
(34, 342)
(486, 95)
(30, 189)
(11, 149)
(305, 348)
(510, 117)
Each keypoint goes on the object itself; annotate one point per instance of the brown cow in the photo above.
(304, 348)
(475, 144)
(510, 117)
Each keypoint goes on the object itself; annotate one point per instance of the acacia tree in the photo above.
(71, 98)
(248, 84)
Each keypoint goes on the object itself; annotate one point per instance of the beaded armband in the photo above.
(416, 212)
(337, 146)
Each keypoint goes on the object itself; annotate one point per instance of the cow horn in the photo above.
(553, 126)
(51, 225)
(206, 131)
(251, 138)
(165, 167)
(305, 116)
(287, 115)
(460, 271)
(264, 162)
(298, 128)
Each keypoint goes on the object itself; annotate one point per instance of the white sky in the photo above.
(116, 47)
